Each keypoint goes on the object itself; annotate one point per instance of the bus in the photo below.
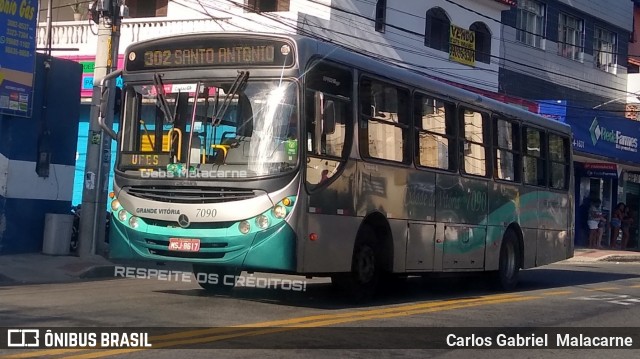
(287, 154)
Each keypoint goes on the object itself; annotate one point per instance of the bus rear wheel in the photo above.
(212, 279)
(360, 284)
(506, 278)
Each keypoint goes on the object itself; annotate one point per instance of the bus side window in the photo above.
(435, 133)
(475, 141)
(533, 164)
(506, 150)
(327, 121)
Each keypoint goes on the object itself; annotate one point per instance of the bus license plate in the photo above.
(184, 245)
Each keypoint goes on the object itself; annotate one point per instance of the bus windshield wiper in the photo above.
(162, 99)
(238, 85)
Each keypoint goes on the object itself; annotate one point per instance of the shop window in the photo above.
(559, 160)
(474, 142)
(534, 169)
(384, 120)
(435, 133)
(506, 150)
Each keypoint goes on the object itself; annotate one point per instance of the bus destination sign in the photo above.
(204, 53)
(137, 160)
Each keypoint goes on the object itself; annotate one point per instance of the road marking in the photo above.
(602, 289)
(621, 299)
(306, 323)
(291, 321)
(50, 352)
(558, 292)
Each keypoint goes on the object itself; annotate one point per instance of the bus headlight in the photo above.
(133, 222)
(279, 211)
(244, 227)
(122, 215)
(262, 221)
(115, 205)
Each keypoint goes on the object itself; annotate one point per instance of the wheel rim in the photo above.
(365, 264)
(509, 261)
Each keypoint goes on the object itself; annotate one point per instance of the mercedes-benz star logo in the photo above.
(183, 221)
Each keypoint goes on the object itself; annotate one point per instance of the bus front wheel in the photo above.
(214, 279)
(506, 278)
(360, 284)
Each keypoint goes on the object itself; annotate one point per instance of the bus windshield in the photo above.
(234, 131)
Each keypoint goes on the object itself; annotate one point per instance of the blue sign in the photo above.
(554, 109)
(608, 136)
(17, 55)
(87, 82)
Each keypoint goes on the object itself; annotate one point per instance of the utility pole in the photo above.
(98, 161)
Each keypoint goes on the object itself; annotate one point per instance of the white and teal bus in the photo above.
(286, 154)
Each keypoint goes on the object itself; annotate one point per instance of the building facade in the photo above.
(573, 57)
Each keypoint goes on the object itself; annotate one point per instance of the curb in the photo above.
(98, 272)
(617, 258)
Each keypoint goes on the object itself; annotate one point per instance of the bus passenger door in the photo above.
(421, 247)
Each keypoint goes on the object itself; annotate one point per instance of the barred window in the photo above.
(530, 22)
(604, 50)
(570, 37)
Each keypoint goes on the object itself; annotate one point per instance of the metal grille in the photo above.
(190, 194)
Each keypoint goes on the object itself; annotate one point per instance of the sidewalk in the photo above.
(603, 255)
(37, 268)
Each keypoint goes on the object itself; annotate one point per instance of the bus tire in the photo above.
(360, 284)
(213, 286)
(506, 278)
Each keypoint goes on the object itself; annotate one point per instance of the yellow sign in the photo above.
(462, 45)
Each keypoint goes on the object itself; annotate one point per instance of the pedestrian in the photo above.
(616, 223)
(594, 221)
(627, 221)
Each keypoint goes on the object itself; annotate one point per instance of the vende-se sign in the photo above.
(462, 45)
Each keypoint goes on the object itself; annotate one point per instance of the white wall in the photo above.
(321, 17)
(405, 43)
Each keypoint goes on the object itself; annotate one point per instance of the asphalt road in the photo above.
(316, 322)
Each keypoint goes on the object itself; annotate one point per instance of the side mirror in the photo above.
(329, 118)
(105, 102)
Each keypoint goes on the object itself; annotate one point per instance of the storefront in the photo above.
(606, 164)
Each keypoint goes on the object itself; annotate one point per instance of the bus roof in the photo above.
(388, 70)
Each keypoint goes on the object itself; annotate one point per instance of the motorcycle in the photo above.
(75, 230)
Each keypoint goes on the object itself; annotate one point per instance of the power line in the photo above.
(366, 53)
(493, 56)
